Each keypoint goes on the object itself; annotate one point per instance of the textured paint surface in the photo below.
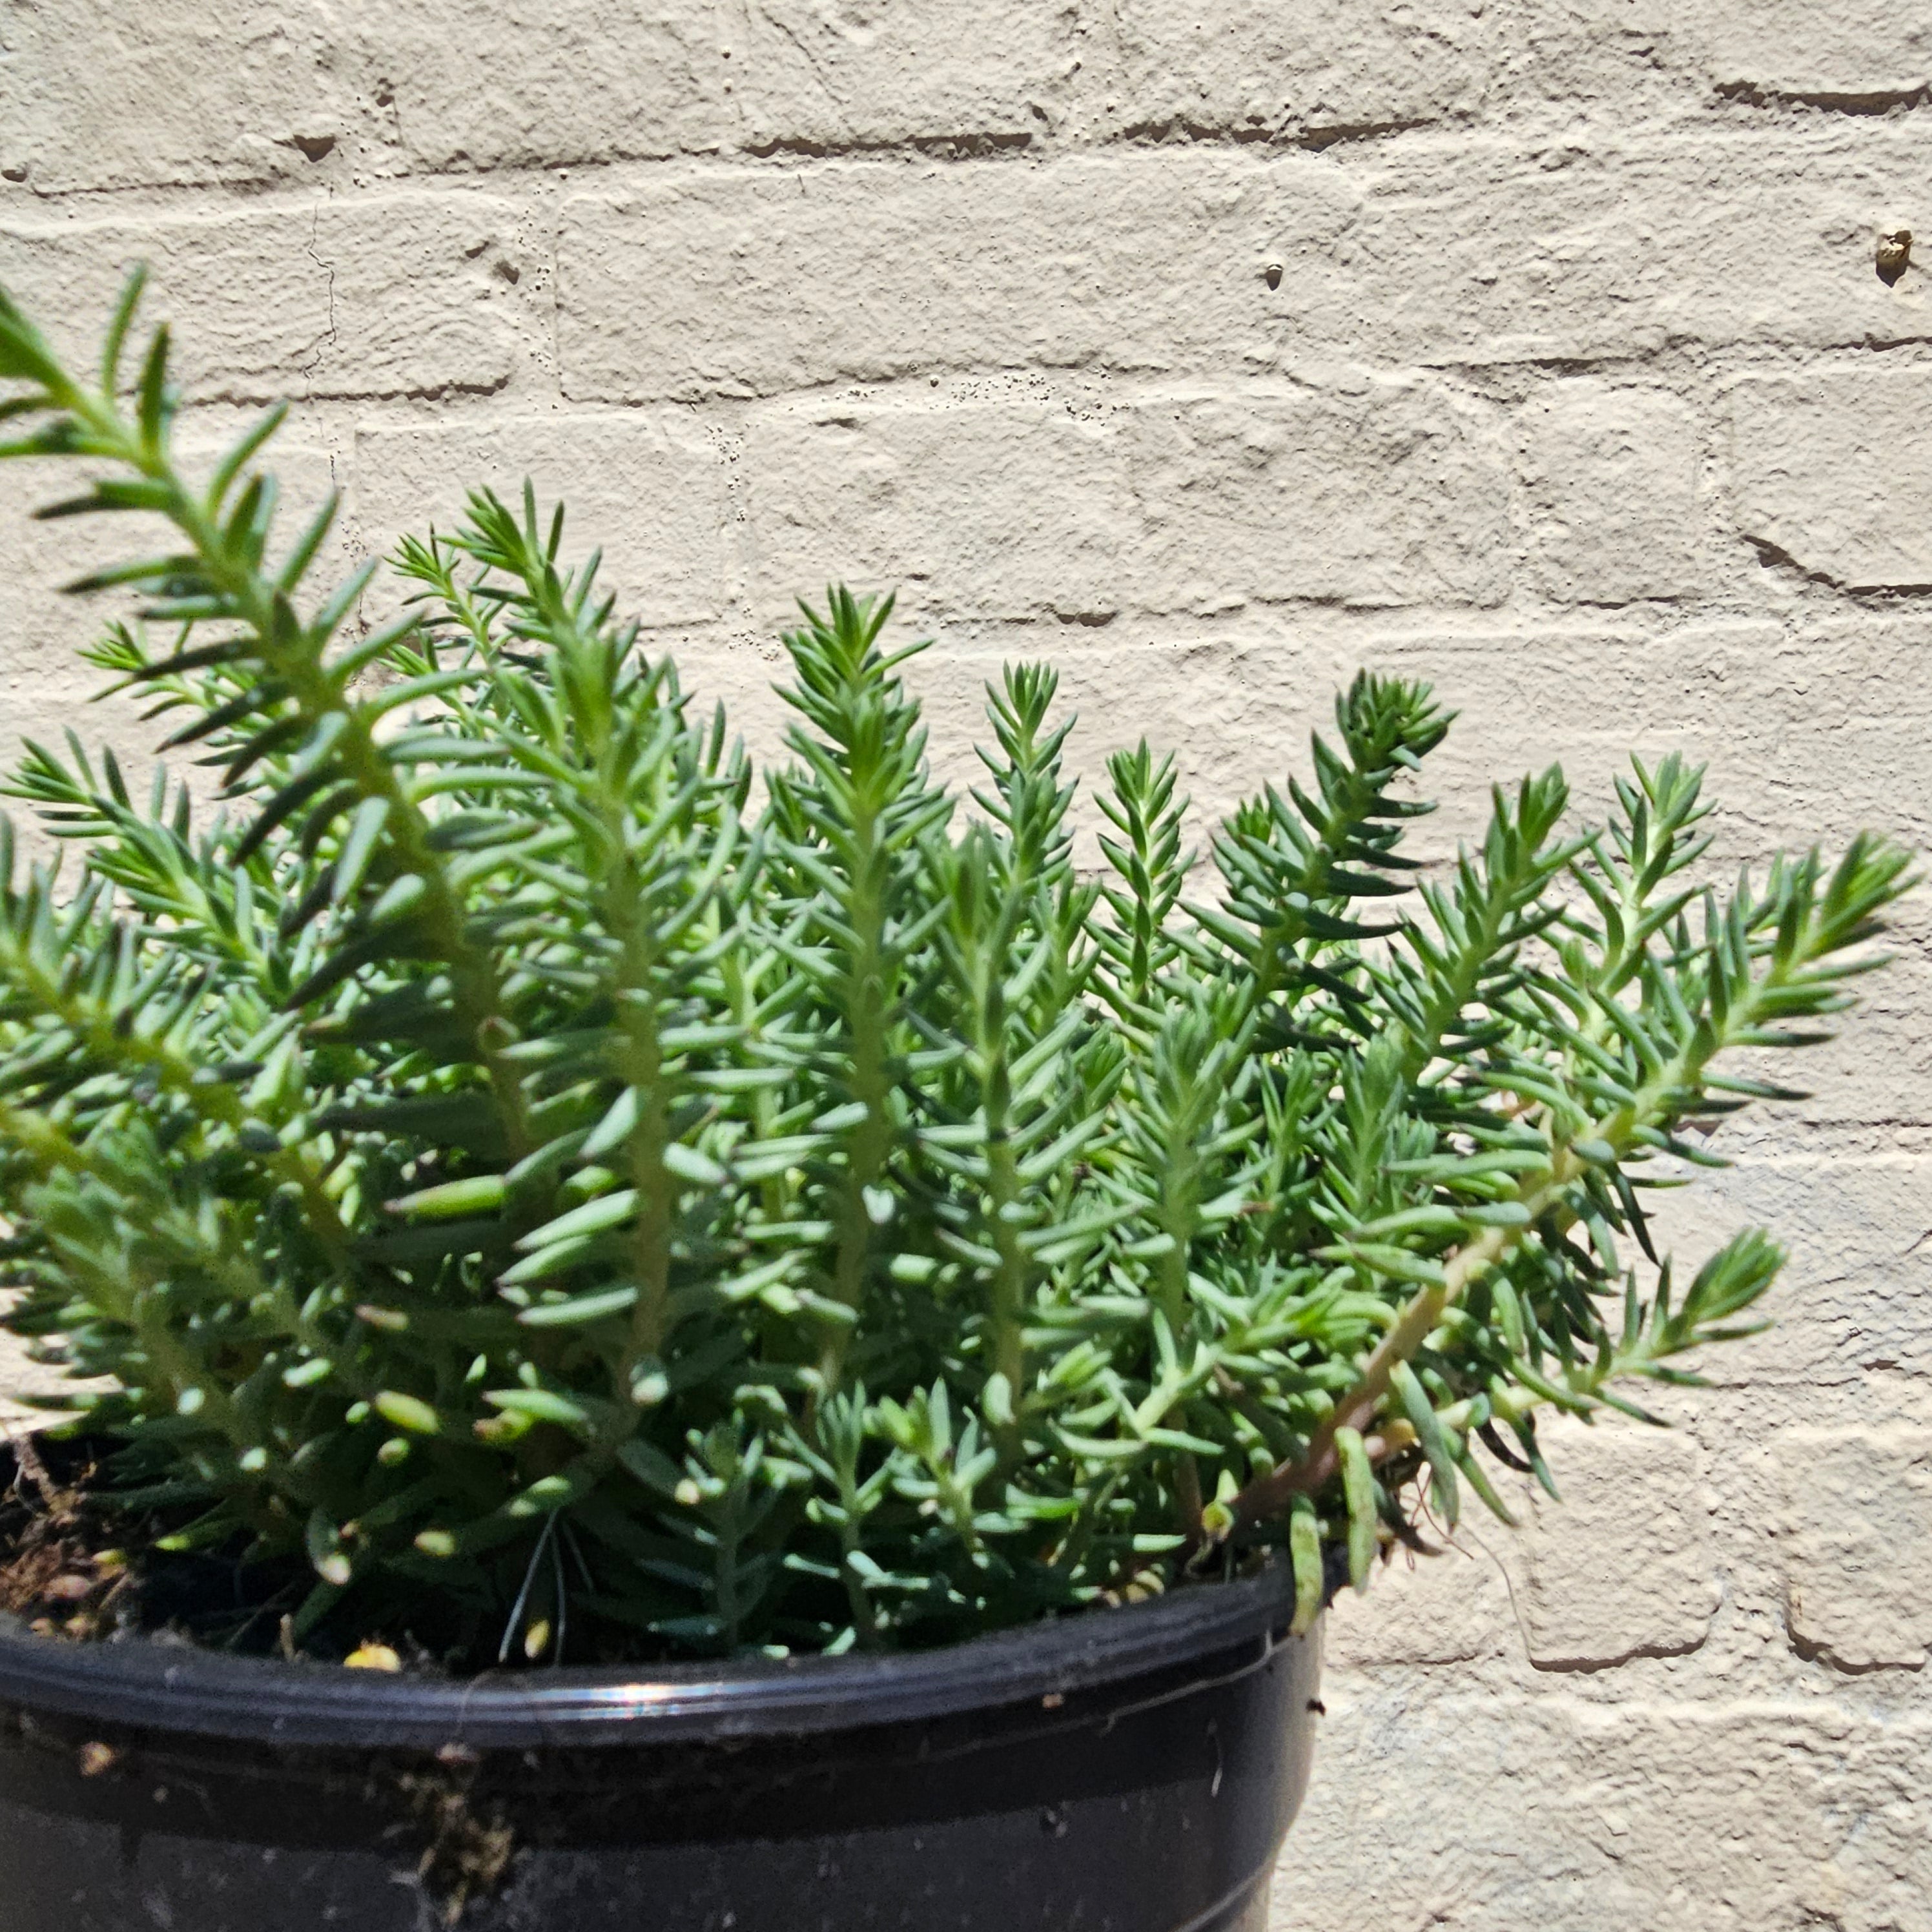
(1213, 348)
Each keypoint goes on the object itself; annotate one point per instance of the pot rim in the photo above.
(159, 1687)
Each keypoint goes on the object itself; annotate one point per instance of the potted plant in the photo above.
(824, 1363)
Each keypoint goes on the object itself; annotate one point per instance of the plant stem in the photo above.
(294, 655)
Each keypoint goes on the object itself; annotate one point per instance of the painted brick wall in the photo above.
(1578, 393)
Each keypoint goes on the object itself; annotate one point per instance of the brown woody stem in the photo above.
(1319, 1465)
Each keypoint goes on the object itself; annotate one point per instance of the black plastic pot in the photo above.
(1129, 1770)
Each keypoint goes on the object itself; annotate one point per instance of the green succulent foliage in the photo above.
(501, 1163)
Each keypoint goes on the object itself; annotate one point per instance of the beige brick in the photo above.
(1451, 1608)
(1810, 731)
(42, 702)
(996, 509)
(649, 492)
(45, 688)
(392, 294)
(1195, 502)
(40, 630)
(1807, 731)
(20, 1379)
(1564, 248)
(1476, 1808)
(1604, 63)
(126, 93)
(1351, 490)
(837, 74)
(1670, 57)
(1849, 1304)
(1609, 478)
(1427, 251)
(1324, 69)
(544, 82)
(1857, 54)
(1877, 1069)
(753, 283)
(1623, 1567)
(1833, 468)
(1808, 734)
(1857, 1544)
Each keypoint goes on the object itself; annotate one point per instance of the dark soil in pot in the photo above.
(1130, 1771)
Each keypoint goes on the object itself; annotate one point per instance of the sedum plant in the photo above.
(545, 1191)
